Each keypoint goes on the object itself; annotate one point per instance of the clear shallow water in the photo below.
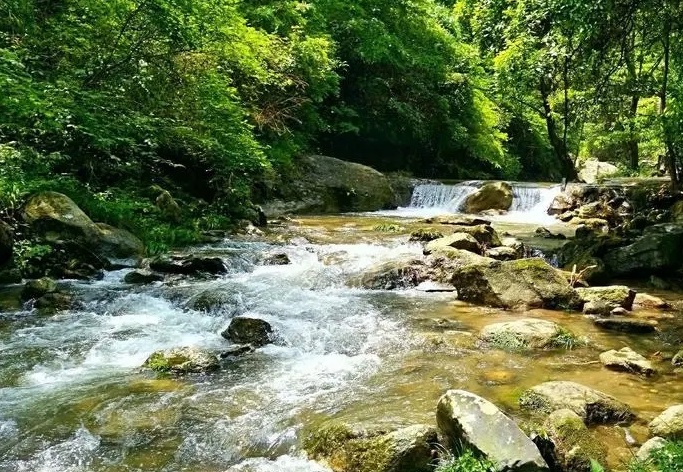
(72, 396)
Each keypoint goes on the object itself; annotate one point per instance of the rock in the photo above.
(222, 297)
(528, 333)
(329, 185)
(545, 233)
(597, 307)
(571, 446)
(182, 360)
(593, 170)
(243, 330)
(565, 217)
(627, 325)
(524, 283)
(34, 289)
(277, 259)
(345, 450)
(6, 243)
(644, 300)
(619, 311)
(484, 234)
(237, 351)
(51, 303)
(56, 217)
(141, 276)
(168, 206)
(595, 215)
(457, 220)
(502, 253)
(402, 272)
(491, 196)
(591, 405)
(614, 295)
(188, 266)
(626, 359)
(677, 360)
(425, 235)
(562, 203)
(456, 241)
(650, 446)
(515, 244)
(430, 287)
(466, 420)
(669, 424)
(658, 251)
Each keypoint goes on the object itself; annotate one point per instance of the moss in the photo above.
(566, 340)
(388, 228)
(158, 362)
(508, 341)
(425, 234)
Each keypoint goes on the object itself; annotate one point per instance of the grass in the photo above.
(667, 459)
(465, 462)
(567, 340)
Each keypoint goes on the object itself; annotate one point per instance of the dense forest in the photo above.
(215, 100)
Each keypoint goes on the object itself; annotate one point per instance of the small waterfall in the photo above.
(445, 197)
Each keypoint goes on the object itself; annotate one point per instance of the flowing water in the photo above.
(74, 399)
(530, 201)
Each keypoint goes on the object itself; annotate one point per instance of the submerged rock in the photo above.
(523, 283)
(182, 360)
(591, 405)
(567, 445)
(51, 303)
(142, 276)
(344, 450)
(628, 360)
(526, 333)
(613, 295)
(457, 220)
(462, 241)
(243, 330)
(467, 421)
(669, 424)
(491, 196)
(627, 325)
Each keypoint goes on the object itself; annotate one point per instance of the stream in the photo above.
(73, 397)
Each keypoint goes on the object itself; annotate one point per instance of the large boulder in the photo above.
(669, 424)
(594, 170)
(491, 196)
(658, 251)
(56, 217)
(523, 283)
(626, 324)
(567, 445)
(244, 330)
(6, 243)
(467, 421)
(628, 360)
(483, 233)
(528, 333)
(591, 405)
(182, 360)
(34, 289)
(400, 272)
(462, 241)
(613, 295)
(329, 185)
(344, 449)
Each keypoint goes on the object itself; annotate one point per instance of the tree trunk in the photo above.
(556, 142)
(633, 79)
(633, 144)
(668, 142)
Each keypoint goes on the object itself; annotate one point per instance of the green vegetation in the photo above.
(667, 459)
(213, 101)
(465, 462)
(567, 340)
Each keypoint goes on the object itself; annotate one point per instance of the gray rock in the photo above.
(649, 447)
(277, 259)
(626, 359)
(614, 295)
(645, 300)
(243, 330)
(466, 420)
(593, 170)
(462, 241)
(597, 307)
(192, 265)
(658, 251)
(401, 272)
(37, 288)
(669, 424)
(619, 311)
(525, 333)
(182, 360)
(627, 325)
(349, 450)
(503, 253)
(591, 405)
(457, 220)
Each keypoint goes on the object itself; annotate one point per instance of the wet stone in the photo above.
(243, 330)
(626, 359)
(627, 325)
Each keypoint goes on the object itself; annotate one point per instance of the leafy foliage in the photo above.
(465, 462)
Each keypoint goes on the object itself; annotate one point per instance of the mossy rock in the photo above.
(37, 288)
(613, 295)
(182, 360)
(425, 234)
(345, 450)
(491, 196)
